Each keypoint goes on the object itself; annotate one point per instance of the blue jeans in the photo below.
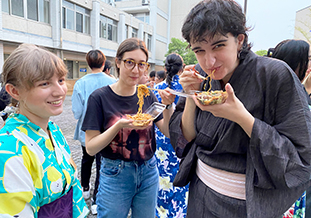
(124, 185)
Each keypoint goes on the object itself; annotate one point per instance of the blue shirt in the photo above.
(81, 92)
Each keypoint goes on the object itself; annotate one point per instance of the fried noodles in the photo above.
(141, 119)
(211, 97)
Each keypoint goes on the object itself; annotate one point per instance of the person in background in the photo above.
(38, 175)
(160, 76)
(307, 81)
(81, 92)
(151, 79)
(172, 200)
(5, 100)
(249, 156)
(129, 176)
(107, 69)
(152, 75)
(144, 79)
(295, 53)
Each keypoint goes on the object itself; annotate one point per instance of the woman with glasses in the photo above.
(129, 175)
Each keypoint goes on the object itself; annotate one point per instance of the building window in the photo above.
(144, 17)
(38, 10)
(32, 10)
(17, 7)
(149, 42)
(76, 18)
(69, 65)
(5, 6)
(108, 28)
(134, 32)
(44, 11)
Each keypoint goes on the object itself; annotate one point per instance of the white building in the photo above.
(303, 24)
(70, 28)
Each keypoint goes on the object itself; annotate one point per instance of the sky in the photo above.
(272, 20)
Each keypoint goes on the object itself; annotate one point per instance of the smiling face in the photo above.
(45, 99)
(219, 54)
(131, 77)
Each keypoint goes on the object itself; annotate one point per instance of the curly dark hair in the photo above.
(212, 17)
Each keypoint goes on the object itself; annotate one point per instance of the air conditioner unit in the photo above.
(145, 2)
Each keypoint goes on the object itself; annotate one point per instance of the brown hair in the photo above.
(28, 64)
(127, 45)
(95, 59)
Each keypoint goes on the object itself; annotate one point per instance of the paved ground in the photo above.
(67, 123)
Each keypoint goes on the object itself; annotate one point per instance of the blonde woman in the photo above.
(37, 172)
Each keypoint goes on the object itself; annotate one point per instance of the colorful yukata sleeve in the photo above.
(20, 176)
(30, 176)
(298, 209)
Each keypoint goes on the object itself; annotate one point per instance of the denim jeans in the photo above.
(124, 185)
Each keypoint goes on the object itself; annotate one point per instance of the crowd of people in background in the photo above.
(249, 156)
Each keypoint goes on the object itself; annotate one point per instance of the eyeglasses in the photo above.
(130, 65)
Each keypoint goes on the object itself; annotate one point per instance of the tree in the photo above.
(305, 27)
(180, 47)
(261, 52)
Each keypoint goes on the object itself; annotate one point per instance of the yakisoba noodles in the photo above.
(142, 91)
(211, 97)
(141, 119)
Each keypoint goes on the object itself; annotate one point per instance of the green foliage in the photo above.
(180, 47)
(305, 27)
(261, 52)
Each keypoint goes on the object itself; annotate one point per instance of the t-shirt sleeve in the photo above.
(94, 117)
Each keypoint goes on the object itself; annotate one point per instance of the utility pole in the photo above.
(245, 6)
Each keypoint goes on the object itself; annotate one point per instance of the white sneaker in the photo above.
(94, 209)
(86, 194)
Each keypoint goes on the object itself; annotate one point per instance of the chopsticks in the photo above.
(155, 89)
(200, 76)
(174, 92)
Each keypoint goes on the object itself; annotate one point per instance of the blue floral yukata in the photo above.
(172, 201)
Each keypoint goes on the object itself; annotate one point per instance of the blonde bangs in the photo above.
(28, 64)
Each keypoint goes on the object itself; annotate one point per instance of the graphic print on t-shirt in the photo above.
(133, 144)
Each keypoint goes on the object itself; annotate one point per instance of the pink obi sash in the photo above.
(221, 181)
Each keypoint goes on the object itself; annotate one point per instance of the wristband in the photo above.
(168, 106)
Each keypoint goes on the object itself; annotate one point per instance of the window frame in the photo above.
(24, 9)
(108, 28)
(76, 10)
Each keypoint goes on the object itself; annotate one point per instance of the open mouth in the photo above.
(55, 102)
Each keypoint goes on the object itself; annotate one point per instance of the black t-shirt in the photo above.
(104, 109)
